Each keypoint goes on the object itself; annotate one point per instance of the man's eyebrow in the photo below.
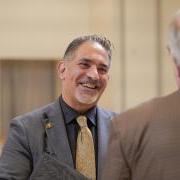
(86, 60)
(89, 61)
(105, 66)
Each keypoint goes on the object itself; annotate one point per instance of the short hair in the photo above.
(174, 37)
(77, 42)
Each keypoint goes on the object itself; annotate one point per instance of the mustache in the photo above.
(89, 80)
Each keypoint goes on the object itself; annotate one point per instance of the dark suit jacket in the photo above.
(33, 147)
(145, 142)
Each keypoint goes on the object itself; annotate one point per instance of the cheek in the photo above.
(104, 81)
(69, 73)
(79, 74)
(73, 76)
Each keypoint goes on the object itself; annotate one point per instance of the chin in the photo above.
(87, 99)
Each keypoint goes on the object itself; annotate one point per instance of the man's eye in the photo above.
(84, 65)
(102, 70)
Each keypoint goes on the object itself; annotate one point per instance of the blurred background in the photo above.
(35, 33)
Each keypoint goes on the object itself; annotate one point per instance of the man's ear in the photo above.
(173, 58)
(177, 68)
(177, 74)
(61, 69)
(108, 76)
(168, 49)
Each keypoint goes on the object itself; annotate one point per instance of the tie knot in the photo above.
(82, 121)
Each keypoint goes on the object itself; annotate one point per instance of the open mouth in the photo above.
(89, 85)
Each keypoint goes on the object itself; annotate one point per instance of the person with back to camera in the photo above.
(145, 141)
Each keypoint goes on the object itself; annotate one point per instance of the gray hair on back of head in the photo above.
(174, 37)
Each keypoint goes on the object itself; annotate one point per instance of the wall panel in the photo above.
(26, 85)
(42, 28)
(1, 128)
(140, 50)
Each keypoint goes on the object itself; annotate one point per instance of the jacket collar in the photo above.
(103, 123)
(57, 135)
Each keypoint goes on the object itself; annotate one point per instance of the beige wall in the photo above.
(41, 29)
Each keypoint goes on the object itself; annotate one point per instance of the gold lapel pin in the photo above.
(49, 125)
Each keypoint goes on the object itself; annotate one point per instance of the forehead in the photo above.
(92, 51)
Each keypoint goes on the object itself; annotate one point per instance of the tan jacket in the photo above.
(145, 142)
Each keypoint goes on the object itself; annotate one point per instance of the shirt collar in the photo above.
(70, 114)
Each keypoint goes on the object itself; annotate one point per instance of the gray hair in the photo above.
(174, 37)
(77, 42)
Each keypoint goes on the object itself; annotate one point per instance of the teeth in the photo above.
(89, 85)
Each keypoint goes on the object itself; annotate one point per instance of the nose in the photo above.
(93, 73)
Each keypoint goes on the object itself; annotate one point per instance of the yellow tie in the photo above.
(85, 154)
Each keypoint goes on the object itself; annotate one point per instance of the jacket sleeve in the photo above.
(116, 166)
(16, 160)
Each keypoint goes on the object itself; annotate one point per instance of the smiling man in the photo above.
(66, 139)
(84, 74)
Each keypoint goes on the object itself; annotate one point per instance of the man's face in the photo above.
(84, 76)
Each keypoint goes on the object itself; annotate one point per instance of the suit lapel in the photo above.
(57, 135)
(103, 121)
